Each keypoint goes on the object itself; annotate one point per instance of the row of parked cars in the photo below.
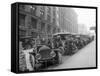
(73, 42)
(60, 44)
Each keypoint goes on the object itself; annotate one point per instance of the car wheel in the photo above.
(66, 50)
(59, 57)
(32, 61)
(75, 49)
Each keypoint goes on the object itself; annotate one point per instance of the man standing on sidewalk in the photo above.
(29, 65)
(29, 57)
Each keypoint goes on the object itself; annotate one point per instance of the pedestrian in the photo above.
(29, 58)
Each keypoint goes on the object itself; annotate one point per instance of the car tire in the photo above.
(32, 61)
(75, 49)
(66, 50)
(59, 57)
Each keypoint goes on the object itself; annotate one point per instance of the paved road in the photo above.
(83, 58)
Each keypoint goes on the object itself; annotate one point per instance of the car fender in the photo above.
(60, 49)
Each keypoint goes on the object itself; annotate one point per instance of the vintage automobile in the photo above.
(85, 38)
(68, 41)
(91, 38)
(70, 47)
(45, 55)
(78, 41)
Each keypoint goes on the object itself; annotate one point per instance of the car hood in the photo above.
(45, 51)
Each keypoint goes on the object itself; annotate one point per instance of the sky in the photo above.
(86, 16)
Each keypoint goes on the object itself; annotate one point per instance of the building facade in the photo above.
(68, 20)
(37, 21)
(82, 29)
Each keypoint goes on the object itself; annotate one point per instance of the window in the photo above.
(48, 13)
(48, 17)
(59, 29)
(34, 34)
(33, 10)
(54, 14)
(21, 20)
(33, 23)
(22, 7)
(48, 10)
(43, 27)
(22, 33)
(54, 20)
(42, 10)
(54, 30)
(49, 29)
(41, 13)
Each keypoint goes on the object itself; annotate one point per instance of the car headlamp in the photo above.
(38, 56)
(52, 54)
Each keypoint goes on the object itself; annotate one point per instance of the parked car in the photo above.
(78, 41)
(85, 38)
(46, 54)
(70, 47)
(69, 44)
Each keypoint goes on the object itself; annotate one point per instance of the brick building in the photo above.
(36, 20)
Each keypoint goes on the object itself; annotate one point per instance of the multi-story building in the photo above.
(36, 20)
(82, 29)
(68, 20)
